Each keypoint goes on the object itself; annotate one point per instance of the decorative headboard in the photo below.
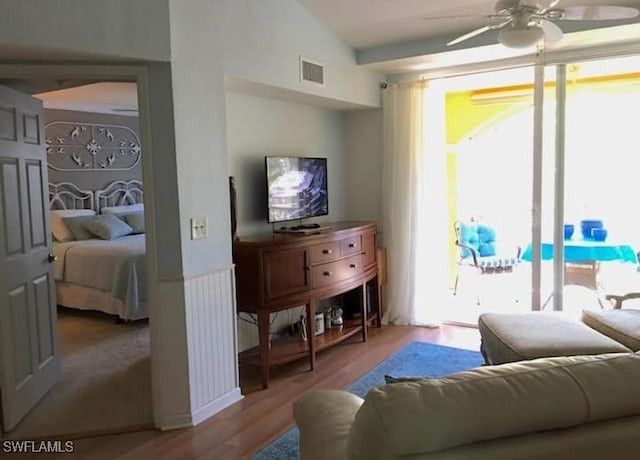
(65, 195)
(119, 193)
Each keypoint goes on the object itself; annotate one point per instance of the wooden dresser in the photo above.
(279, 271)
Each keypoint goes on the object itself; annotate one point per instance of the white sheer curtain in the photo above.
(415, 219)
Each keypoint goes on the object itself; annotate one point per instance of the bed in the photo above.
(105, 273)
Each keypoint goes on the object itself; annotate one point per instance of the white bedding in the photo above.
(116, 267)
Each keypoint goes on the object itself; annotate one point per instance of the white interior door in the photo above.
(29, 364)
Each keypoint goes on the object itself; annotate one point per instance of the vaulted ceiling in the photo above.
(396, 35)
(388, 36)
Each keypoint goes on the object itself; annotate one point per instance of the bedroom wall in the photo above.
(93, 180)
(257, 127)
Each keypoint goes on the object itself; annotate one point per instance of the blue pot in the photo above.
(568, 231)
(599, 234)
(588, 225)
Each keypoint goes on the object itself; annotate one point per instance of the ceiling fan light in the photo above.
(520, 38)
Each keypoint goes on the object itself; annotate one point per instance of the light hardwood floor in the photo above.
(243, 429)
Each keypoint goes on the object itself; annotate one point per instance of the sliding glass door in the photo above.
(546, 156)
(588, 219)
(489, 132)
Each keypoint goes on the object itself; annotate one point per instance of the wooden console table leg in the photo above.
(363, 310)
(311, 331)
(378, 301)
(263, 336)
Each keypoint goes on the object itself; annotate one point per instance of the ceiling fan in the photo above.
(523, 23)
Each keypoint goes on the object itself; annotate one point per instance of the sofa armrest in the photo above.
(324, 418)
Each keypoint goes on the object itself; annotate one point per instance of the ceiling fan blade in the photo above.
(455, 16)
(540, 4)
(469, 35)
(552, 33)
(479, 31)
(599, 13)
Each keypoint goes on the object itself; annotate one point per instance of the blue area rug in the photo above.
(414, 359)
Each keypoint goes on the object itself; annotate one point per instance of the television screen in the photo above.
(297, 188)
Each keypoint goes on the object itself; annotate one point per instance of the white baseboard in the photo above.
(174, 422)
(177, 421)
(216, 406)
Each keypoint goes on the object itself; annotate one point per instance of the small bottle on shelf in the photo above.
(336, 318)
(327, 319)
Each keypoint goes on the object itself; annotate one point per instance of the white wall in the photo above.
(264, 39)
(115, 28)
(197, 72)
(260, 41)
(258, 126)
(364, 164)
(188, 164)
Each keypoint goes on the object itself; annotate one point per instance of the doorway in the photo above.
(69, 320)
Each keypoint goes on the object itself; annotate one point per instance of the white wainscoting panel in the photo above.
(212, 342)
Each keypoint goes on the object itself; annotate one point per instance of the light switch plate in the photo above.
(198, 227)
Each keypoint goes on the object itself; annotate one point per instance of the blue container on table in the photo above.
(568, 231)
(599, 234)
(587, 227)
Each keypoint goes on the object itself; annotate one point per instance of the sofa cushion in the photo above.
(622, 325)
(508, 337)
(491, 402)
(324, 418)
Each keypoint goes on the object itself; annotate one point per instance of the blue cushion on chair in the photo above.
(487, 237)
(469, 237)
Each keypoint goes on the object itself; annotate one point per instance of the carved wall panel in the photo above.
(73, 146)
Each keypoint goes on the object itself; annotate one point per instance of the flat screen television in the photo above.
(296, 187)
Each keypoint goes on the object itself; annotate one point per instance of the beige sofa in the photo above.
(581, 407)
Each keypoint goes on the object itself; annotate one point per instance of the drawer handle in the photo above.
(353, 266)
(327, 251)
(352, 245)
(327, 273)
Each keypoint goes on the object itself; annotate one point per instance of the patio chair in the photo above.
(620, 323)
(480, 251)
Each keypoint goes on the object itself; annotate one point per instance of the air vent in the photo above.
(311, 71)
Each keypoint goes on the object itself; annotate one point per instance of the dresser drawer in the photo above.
(333, 272)
(351, 245)
(324, 252)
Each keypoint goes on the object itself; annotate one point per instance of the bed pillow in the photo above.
(108, 227)
(59, 229)
(135, 221)
(77, 228)
(124, 209)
